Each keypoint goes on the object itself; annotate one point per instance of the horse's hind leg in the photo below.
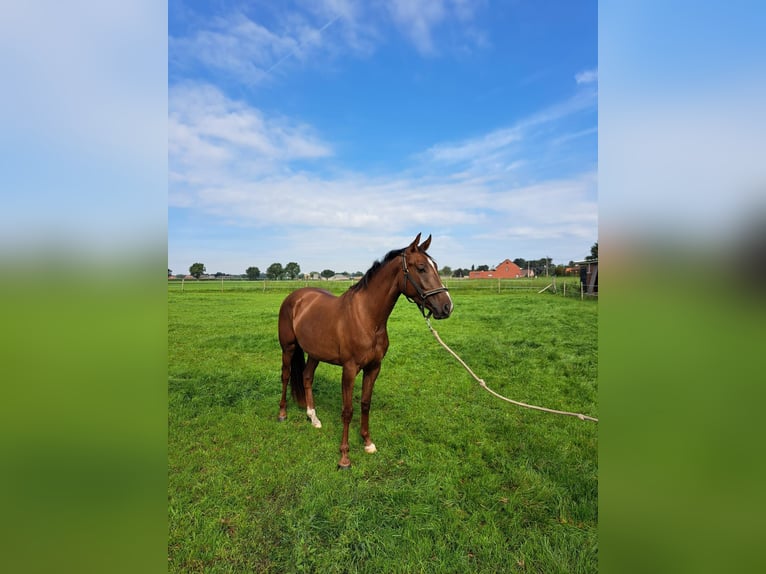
(308, 381)
(287, 357)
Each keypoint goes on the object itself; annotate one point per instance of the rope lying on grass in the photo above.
(499, 396)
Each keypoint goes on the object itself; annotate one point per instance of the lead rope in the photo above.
(499, 396)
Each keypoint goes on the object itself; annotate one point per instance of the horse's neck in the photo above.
(381, 294)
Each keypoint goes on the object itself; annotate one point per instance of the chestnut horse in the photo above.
(350, 330)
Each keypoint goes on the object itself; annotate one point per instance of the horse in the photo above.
(350, 331)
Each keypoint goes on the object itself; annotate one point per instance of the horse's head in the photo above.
(422, 283)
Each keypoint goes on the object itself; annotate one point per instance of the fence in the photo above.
(561, 286)
(569, 288)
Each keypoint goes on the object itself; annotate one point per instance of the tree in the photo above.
(275, 271)
(593, 253)
(170, 271)
(446, 271)
(253, 273)
(327, 273)
(292, 270)
(197, 269)
(482, 268)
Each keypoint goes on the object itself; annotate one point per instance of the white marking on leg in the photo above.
(315, 422)
(370, 448)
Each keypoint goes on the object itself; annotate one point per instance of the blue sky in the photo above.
(329, 132)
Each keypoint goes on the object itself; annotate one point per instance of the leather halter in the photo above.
(422, 294)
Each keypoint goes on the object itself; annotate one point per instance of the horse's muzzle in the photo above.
(440, 306)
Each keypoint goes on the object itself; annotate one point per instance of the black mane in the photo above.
(372, 271)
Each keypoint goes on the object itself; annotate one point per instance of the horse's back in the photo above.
(305, 297)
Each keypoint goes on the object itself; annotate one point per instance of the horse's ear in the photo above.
(414, 244)
(426, 244)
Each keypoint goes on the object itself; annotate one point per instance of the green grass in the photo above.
(461, 481)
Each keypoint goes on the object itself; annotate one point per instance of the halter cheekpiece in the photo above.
(422, 294)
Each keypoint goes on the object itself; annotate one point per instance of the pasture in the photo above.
(461, 482)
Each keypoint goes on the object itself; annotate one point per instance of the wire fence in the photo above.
(559, 286)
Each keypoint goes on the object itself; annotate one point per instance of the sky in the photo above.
(330, 132)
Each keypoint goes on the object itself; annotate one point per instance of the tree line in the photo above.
(276, 271)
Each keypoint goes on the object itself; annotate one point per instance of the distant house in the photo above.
(504, 270)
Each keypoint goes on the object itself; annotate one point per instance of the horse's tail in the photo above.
(297, 364)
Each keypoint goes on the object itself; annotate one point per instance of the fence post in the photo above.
(182, 284)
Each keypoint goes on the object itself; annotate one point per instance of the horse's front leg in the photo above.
(349, 374)
(368, 382)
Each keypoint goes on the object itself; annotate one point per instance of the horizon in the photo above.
(341, 271)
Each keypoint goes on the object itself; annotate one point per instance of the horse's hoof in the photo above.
(370, 448)
(346, 467)
(282, 418)
(315, 422)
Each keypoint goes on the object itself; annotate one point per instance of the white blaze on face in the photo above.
(433, 264)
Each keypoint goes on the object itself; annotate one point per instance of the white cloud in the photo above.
(586, 76)
(473, 148)
(249, 51)
(206, 129)
(416, 19)
(500, 147)
(252, 53)
(235, 164)
(247, 170)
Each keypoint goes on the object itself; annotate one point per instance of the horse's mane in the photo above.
(372, 271)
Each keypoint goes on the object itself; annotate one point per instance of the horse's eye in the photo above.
(421, 269)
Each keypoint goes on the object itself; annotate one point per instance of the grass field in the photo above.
(461, 482)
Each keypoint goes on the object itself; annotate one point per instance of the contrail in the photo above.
(294, 50)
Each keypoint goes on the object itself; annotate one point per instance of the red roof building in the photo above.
(505, 270)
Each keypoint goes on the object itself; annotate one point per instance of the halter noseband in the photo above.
(422, 294)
